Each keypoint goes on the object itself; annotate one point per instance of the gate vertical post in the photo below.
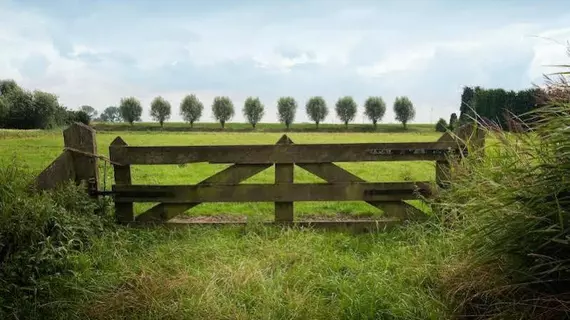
(80, 141)
(284, 175)
(124, 210)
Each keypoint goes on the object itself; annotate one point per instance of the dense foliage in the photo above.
(39, 233)
(497, 107)
(23, 109)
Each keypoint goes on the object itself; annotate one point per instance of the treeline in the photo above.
(498, 106)
(24, 109)
(130, 110)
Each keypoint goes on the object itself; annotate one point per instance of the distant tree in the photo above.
(286, 109)
(346, 109)
(441, 125)
(89, 110)
(374, 109)
(223, 109)
(317, 109)
(80, 116)
(253, 110)
(467, 105)
(404, 110)
(453, 121)
(191, 109)
(111, 114)
(131, 109)
(160, 110)
(22, 109)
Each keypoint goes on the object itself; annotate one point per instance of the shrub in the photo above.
(441, 125)
(39, 232)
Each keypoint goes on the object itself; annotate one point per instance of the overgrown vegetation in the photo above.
(512, 211)
(23, 109)
(40, 233)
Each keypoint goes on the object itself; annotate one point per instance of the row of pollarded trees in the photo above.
(130, 110)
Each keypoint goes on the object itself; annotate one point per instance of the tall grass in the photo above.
(39, 233)
(511, 211)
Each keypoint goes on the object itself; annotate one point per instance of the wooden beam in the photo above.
(284, 175)
(59, 171)
(230, 175)
(123, 210)
(80, 140)
(284, 153)
(383, 191)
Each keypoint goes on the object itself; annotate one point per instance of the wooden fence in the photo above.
(79, 162)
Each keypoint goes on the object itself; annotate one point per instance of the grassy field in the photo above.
(38, 149)
(262, 127)
(251, 272)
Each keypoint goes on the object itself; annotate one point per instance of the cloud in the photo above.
(98, 52)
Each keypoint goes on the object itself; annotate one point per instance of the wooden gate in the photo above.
(249, 160)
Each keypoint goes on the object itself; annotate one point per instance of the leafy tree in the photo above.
(441, 125)
(253, 110)
(317, 109)
(453, 121)
(404, 110)
(131, 109)
(111, 114)
(89, 110)
(7, 86)
(223, 109)
(466, 106)
(374, 109)
(160, 110)
(80, 116)
(286, 109)
(3, 112)
(346, 109)
(191, 109)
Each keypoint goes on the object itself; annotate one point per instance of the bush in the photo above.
(512, 210)
(39, 232)
(441, 125)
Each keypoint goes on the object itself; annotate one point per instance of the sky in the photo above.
(96, 52)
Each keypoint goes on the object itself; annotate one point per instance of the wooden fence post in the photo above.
(80, 141)
(123, 210)
(284, 175)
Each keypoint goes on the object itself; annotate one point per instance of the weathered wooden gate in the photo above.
(248, 160)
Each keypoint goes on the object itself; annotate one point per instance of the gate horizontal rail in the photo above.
(380, 191)
(285, 153)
